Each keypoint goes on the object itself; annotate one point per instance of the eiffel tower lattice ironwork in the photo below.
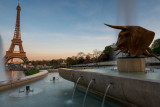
(16, 41)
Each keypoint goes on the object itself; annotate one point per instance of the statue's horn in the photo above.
(117, 27)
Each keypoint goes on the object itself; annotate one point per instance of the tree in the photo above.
(107, 54)
(70, 61)
(87, 59)
(80, 60)
(96, 54)
(54, 62)
(156, 47)
(80, 54)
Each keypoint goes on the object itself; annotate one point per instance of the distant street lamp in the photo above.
(24, 66)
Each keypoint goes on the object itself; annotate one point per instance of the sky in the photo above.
(53, 29)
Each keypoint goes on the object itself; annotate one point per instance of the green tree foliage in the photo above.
(54, 62)
(70, 61)
(156, 47)
(31, 72)
(87, 59)
(80, 60)
(107, 54)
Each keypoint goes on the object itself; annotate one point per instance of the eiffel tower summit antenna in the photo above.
(16, 41)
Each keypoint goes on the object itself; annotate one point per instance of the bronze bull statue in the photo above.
(134, 40)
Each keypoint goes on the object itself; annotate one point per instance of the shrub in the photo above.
(31, 72)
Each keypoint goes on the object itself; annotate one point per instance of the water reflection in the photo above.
(15, 75)
(12, 76)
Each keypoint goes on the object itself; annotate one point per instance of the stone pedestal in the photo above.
(131, 64)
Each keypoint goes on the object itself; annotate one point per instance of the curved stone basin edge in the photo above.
(25, 80)
(140, 92)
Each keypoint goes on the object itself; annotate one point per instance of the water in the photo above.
(126, 15)
(76, 86)
(12, 76)
(140, 75)
(105, 94)
(2, 70)
(86, 92)
(15, 75)
(23, 93)
(57, 94)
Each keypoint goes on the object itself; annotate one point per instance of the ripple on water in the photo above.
(25, 94)
(69, 102)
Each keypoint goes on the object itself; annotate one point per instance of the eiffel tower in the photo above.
(16, 41)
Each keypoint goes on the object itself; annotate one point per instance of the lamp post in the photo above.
(25, 67)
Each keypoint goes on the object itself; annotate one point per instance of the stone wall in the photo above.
(141, 92)
(24, 80)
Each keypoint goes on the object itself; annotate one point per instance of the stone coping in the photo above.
(52, 70)
(121, 76)
(25, 80)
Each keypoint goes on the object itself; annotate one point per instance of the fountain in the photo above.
(132, 83)
(53, 79)
(27, 88)
(72, 76)
(87, 91)
(106, 94)
(2, 70)
(27, 91)
(45, 94)
(76, 86)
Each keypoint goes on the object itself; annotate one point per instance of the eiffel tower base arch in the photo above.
(10, 56)
(25, 59)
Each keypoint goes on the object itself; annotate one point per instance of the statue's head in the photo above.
(133, 39)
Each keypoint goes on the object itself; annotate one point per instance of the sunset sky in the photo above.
(53, 29)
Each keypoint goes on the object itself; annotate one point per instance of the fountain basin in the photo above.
(50, 94)
(139, 91)
(24, 80)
